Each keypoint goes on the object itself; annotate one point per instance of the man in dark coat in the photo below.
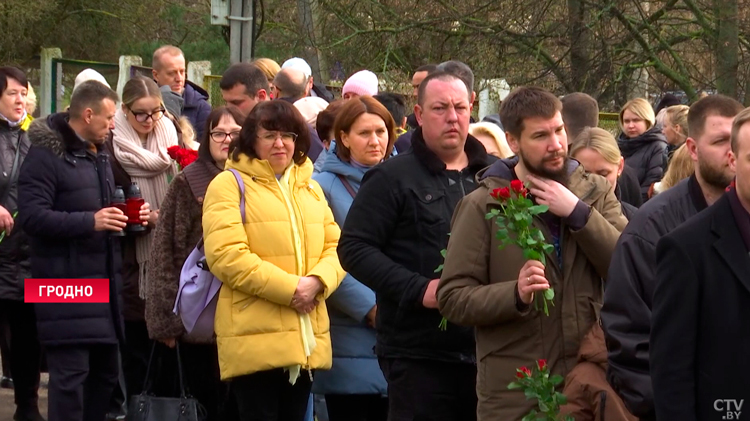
(628, 296)
(25, 353)
(391, 242)
(65, 188)
(700, 335)
(169, 70)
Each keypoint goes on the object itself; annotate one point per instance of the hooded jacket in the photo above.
(14, 248)
(355, 368)
(626, 314)
(479, 285)
(196, 107)
(62, 185)
(391, 242)
(647, 154)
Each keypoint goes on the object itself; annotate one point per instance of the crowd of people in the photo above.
(361, 275)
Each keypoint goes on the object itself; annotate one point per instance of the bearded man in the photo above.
(493, 290)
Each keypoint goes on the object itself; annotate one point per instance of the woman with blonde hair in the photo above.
(680, 168)
(596, 149)
(138, 150)
(642, 143)
(675, 127)
(492, 137)
(269, 68)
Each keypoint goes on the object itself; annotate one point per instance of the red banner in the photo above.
(66, 291)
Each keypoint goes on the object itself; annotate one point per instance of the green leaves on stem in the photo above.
(515, 220)
(538, 384)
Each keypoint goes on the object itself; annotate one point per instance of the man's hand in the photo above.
(147, 215)
(531, 279)
(371, 316)
(6, 221)
(560, 200)
(170, 342)
(308, 288)
(110, 219)
(430, 295)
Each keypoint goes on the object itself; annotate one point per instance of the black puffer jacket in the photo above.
(629, 292)
(391, 242)
(647, 154)
(14, 249)
(61, 186)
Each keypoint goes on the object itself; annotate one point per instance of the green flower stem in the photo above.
(2, 235)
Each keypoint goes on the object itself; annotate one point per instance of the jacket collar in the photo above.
(333, 164)
(55, 133)
(729, 243)
(260, 170)
(696, 194)
(474, 150)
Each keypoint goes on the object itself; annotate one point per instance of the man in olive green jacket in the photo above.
(493, 290)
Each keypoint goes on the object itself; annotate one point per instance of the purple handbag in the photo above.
(199, 288)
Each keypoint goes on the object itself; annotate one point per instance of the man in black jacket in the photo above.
(700, 337)
(629, 292)
(392, 242)
(65, 188)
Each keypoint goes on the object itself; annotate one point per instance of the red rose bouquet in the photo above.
(514, 220)
(182, 156)
(538, 384)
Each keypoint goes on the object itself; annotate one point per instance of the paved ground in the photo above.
(7, 407)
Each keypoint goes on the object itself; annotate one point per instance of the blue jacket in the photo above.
(355, 367)
(196, 107)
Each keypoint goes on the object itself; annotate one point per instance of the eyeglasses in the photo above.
(142, 117)
(286, 137)
(219, 137)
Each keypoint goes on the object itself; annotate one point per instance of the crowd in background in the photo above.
(325, 221)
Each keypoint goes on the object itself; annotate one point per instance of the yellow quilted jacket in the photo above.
(256, 329)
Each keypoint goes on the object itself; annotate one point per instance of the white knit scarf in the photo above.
(149, 168)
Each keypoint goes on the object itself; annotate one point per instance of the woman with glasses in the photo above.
(138, 152)
(277, 269)
(175, 237)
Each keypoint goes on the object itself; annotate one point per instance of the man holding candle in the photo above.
(65, 185)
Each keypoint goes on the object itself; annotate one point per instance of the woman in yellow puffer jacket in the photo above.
(277, 269)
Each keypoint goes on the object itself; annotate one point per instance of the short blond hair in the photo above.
(642, 109)
(742, 118)
(492, 130)
(598, 140)
(680, 167)
(678, 114)
(164, 50)
(269, 67)
(30, 100)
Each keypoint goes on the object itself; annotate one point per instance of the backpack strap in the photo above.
(347, 185)
(241, 185)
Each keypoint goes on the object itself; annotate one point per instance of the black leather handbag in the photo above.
(147, 407)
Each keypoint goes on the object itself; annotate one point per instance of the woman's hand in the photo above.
(308, 288)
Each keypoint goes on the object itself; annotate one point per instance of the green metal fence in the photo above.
(64, 72)
(610, 122)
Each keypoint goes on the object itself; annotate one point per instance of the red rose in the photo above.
(173, 151)
(500, 193)
(542, 364)
(525, 371)
(520, 375)
(517, 186)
